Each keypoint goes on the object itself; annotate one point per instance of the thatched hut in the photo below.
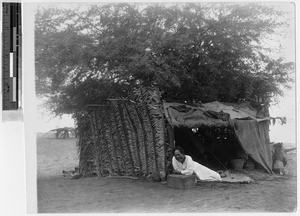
(136, 137)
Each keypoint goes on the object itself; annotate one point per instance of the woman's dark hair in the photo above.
(179, 149)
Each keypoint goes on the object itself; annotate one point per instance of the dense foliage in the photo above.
(189, 51)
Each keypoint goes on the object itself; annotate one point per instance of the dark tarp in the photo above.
(253, 137)
(251, 130)
(183, 115)
(191, 117)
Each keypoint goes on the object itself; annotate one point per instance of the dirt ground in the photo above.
(56, 194)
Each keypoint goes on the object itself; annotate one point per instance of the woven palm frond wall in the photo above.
(85, 144)
(125, 137)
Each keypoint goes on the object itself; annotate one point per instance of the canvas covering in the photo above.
(254, 138)
(252, 131)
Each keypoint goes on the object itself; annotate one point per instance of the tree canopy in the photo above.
(189, 51)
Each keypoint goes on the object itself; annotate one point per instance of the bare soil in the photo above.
(56, 194)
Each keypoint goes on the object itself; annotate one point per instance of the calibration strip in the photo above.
(11, 56)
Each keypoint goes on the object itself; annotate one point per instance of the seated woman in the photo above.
(184, 164)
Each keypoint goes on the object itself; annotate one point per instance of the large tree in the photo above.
(191, 52)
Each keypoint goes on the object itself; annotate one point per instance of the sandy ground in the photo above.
(56, 194)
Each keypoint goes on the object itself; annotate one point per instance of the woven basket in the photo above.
(237, 164)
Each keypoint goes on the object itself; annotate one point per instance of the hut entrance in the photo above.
(212, 147)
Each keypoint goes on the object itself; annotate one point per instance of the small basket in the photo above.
(238, 164)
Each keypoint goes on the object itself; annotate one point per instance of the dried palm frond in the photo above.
(125, 138)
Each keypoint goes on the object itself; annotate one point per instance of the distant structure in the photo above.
(61, 133)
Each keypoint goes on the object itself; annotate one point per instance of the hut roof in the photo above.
(208, 114)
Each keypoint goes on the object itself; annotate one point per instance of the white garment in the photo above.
(188, 167)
